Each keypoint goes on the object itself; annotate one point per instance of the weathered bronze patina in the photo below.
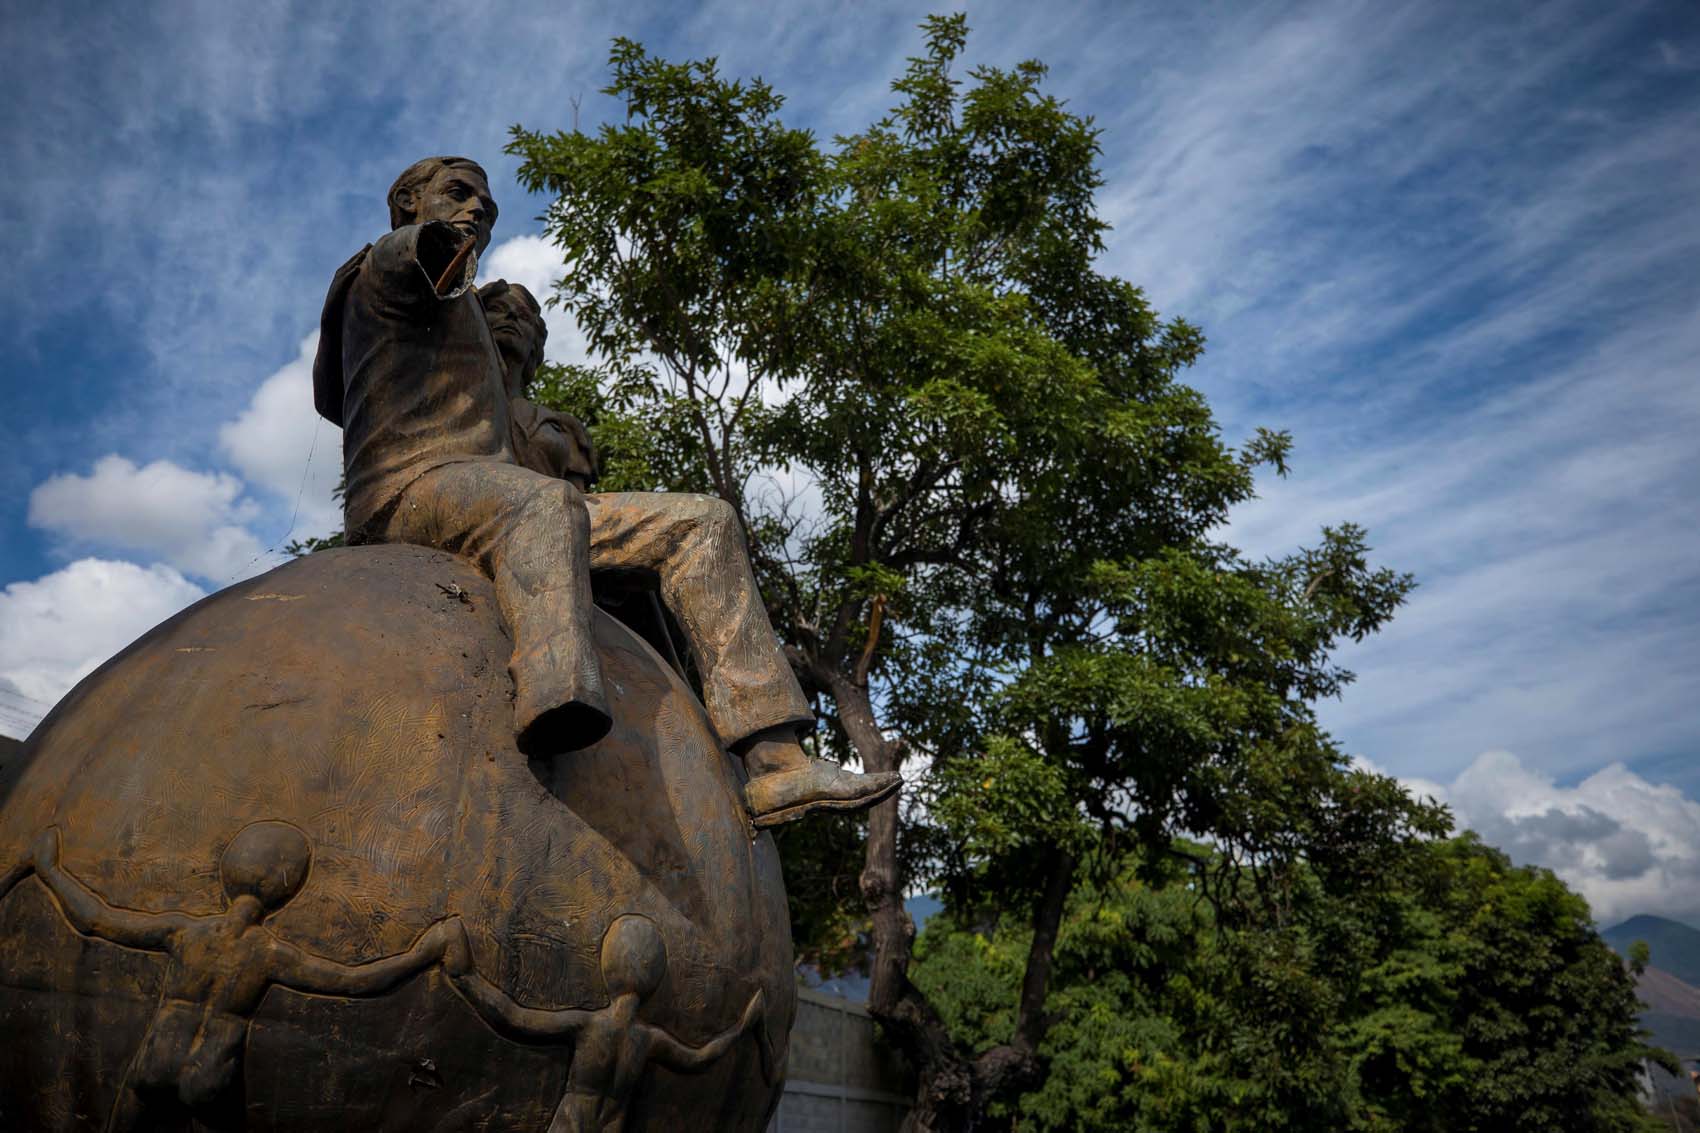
(692, 547)
(410, 835)
(409, 366)
(237, 859)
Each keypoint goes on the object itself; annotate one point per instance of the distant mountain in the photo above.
(1668, 990)
(1672, 1021)
(921, 908)
(853, 985)
(1675, 946)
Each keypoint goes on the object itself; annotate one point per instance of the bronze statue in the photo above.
(393, 716)
(219, 967)
(544, 440)
(423, 383)
(611, 1045)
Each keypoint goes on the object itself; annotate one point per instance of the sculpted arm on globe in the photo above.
(676, 1055)
(506, 1017)
(299, 970)
(90, 915)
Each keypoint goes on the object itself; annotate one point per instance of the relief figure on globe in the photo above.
(218, 969)
(426, 376)
(611, 1045)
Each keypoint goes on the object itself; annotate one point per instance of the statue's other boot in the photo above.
(787, 784)
(785, 796)
(559, 704)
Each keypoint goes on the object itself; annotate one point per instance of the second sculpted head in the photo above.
(452, 189)
(517, 327)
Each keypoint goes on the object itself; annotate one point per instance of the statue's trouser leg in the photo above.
(529, 534)
(695, 546)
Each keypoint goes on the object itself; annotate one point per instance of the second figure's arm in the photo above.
(302, 971)
(525, 1024)
(90, 915)
(502, 1014)
(675, 1055)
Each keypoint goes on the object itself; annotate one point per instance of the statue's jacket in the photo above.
(411, 375)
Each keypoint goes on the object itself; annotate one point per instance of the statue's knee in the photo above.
(559, 505)
(714, 514)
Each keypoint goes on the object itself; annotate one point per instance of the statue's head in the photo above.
(454, 189)
(267, 861)
(516, 325)
(634, 957)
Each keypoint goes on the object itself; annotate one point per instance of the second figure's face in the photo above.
(519, 335)
(460, 197)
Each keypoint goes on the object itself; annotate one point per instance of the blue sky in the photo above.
(1451, 246)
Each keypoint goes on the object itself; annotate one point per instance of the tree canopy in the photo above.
(986, 512)
(1457, 993)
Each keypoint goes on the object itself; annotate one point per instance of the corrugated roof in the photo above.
(19, 714)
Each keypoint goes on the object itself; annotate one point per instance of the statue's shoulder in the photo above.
(327, 363)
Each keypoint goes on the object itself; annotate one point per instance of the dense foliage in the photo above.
(1459, 994)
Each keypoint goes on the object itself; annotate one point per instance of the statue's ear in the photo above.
(404, 202)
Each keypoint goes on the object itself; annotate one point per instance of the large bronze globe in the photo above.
(233, 855)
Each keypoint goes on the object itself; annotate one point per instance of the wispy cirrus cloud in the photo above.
(1458, 262)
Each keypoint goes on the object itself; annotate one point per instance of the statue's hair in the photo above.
(416, 176)
(500, 289)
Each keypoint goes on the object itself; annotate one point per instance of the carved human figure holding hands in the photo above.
(611, 1045)
(218, 969)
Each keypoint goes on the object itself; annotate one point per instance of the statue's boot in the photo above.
(559, 704)
(785, 796)
(786, 783)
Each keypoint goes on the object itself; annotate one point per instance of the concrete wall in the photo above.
(841, 1077)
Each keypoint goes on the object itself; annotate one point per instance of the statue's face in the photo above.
(460, 197)
(519, 335)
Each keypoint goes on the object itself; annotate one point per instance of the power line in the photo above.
(19, 714)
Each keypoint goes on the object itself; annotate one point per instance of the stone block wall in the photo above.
(841, 1078)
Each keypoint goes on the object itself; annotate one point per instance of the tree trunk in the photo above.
(954, 1090)
(1030, 1019)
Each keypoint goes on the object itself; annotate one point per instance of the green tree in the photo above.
(1457, 993)
(1010, 566)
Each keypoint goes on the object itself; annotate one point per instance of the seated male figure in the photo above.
(406, 366)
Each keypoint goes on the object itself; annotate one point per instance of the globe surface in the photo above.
(361, 697)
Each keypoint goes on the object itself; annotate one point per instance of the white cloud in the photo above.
(1629, 846)
(192, 520)
(280, 443)
(535, 263)
(57, 629)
